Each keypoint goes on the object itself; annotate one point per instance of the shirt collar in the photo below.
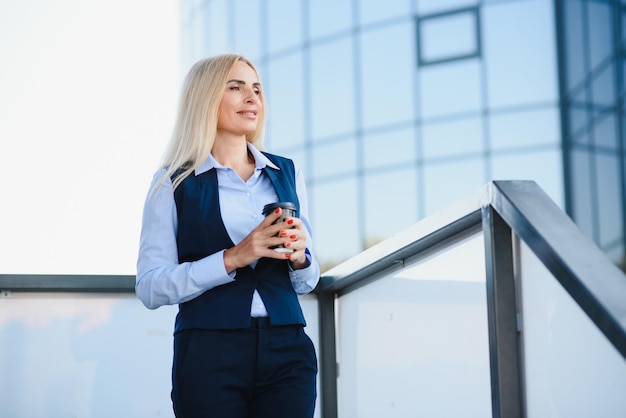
(260, 159)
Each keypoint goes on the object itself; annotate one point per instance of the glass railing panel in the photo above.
(91, 355)
(571, 369)
(84, 355)
(415, 342)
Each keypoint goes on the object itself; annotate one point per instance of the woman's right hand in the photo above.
(257, 244)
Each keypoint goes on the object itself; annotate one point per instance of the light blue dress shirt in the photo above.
(161, 280)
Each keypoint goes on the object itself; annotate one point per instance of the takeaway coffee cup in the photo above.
(289, 211)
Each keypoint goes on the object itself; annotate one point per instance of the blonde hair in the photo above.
(196, 124)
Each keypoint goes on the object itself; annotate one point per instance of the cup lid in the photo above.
(271, 207)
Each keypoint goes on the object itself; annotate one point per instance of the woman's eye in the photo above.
(234, 88)
(257, 92)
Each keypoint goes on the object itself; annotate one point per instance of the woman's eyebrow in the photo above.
(257, 84)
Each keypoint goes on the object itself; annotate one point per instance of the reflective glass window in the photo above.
(574, 41)
(450, 88)
(448, 182)
(375, 11)
(609, 196)
(448, 36)
(519, 129)
(332, 88)
(334, 158)
(600, 32)
(582, 197)
(605, 132)
(285, 94)
(335, 207)
(284, 24)
(246, 29)
(578, 122)
(329, 16)
(454, 137)
(389, 148)
(623, 26)
(437, 6)
(390, 203)
(543, 167)
(521, 64)
(387, 75)
(603, 88)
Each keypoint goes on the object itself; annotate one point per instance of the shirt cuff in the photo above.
(210, 271)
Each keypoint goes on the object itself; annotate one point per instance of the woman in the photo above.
(239, 345)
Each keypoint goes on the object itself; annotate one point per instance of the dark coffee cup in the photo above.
(288, 211)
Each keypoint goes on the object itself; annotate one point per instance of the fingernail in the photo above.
(283, 233)
(287, 255)
(290, 221)
(292, 236)
(277, 210)
(287, 244)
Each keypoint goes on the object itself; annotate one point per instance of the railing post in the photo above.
(507, 398)
(327, 354)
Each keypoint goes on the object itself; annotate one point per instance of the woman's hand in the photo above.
(258, 243)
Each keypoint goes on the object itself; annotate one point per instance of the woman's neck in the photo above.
(234, 154)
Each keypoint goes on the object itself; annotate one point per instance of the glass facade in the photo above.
(591, 73)
(395, 110)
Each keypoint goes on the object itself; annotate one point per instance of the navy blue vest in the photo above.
(201, 232)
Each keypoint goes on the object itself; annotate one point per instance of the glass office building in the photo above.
(397, 109)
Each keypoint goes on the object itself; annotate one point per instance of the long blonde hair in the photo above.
(196, 125)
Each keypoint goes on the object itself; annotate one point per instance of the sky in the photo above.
(88, 93)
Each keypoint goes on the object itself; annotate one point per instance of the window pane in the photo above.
(437, 6)
(448, 36)
(600, 32)
(247, 29)
(603, 88)
(450, 88)
(285, 93)
(543, 167)
(284, 24)
(610, 216)
(387, 91)
(329, 16)
(574, 41)
(332, 88)
(334, 158)
(446, 183)
(449, 138)
(335, 221)
(520, 129)
(582, 198)
(374, 11)
(605, 132)
(578, 121)
(521, 63)
(390, 193)
(390, 148)
(216, 29)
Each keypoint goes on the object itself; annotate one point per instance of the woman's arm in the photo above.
(161, 280)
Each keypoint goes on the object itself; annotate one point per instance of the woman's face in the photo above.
(241, 106)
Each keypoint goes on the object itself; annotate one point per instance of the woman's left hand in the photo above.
(295, 238)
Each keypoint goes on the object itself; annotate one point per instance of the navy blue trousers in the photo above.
(259, 372)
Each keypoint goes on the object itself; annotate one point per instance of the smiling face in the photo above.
(241, 106)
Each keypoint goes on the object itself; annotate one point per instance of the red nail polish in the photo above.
(277, 210)
(283, 233)
(290, 221)
(287, 244)
(287, 255)
(292, 236)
